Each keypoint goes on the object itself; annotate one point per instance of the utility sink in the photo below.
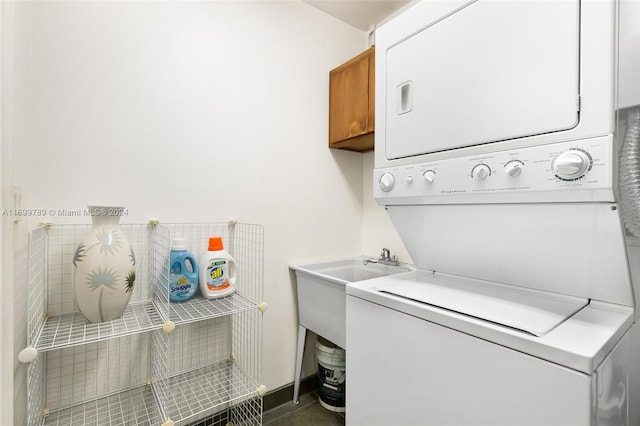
(322, 299)
(322, 292)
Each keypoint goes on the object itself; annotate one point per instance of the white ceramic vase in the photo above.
(104, 267)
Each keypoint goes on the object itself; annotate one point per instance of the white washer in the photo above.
(553, 345)
(513, 357)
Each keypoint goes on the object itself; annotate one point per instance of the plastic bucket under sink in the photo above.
(331, 372)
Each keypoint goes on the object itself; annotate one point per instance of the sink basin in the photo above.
(322, 292)
(349, 270)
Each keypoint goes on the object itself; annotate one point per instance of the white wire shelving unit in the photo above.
(161, 363)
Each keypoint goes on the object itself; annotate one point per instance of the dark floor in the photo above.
(308, 412)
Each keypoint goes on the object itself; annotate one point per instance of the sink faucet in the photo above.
(385, 255)
(386, 258)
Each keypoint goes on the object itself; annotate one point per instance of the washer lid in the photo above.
(531, 311)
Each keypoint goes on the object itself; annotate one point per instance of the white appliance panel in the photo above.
(613, 391)
(454, 379)
(629, 39)
(515, 64)
(527, 310)
(581, 342)
(598, 77)
(575, 249)
(528, 174)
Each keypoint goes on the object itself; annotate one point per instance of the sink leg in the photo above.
(302, 335)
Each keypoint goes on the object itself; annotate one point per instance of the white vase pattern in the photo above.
(104, 268)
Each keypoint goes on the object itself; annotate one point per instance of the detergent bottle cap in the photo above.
(179, 244)
(215, 244)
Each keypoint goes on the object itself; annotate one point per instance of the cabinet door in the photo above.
(350, 109)
(372, 92)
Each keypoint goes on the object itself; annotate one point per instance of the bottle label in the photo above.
(217, 276)
(180, 286)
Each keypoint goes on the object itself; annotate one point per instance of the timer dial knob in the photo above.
(513, 169)
(429, 176)
(571, 164)
(480, 172)
(387, 181)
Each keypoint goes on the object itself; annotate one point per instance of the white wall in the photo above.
(199, 111)
(15, 134)
(186, 112)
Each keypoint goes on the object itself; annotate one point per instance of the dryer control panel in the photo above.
(560, 172)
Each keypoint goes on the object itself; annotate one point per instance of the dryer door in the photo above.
(490, 71)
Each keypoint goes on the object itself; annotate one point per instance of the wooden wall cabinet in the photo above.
(352, 103)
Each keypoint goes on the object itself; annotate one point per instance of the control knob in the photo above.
(429, 176)
(480, 172)
(572, 164)
(386, 182)
(513, 168)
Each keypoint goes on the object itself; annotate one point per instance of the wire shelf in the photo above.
(35, 390)
(54, 320)
(132, 370)
(207, 390)
(37, 291)
(199, 308)
(243, 241)
(135, 407)
(66, 330)
(245, 413)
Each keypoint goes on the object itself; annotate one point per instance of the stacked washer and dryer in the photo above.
(507, 155)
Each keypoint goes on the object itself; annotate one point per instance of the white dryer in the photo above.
(508, 158)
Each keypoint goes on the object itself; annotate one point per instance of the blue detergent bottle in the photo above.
(183, 278)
